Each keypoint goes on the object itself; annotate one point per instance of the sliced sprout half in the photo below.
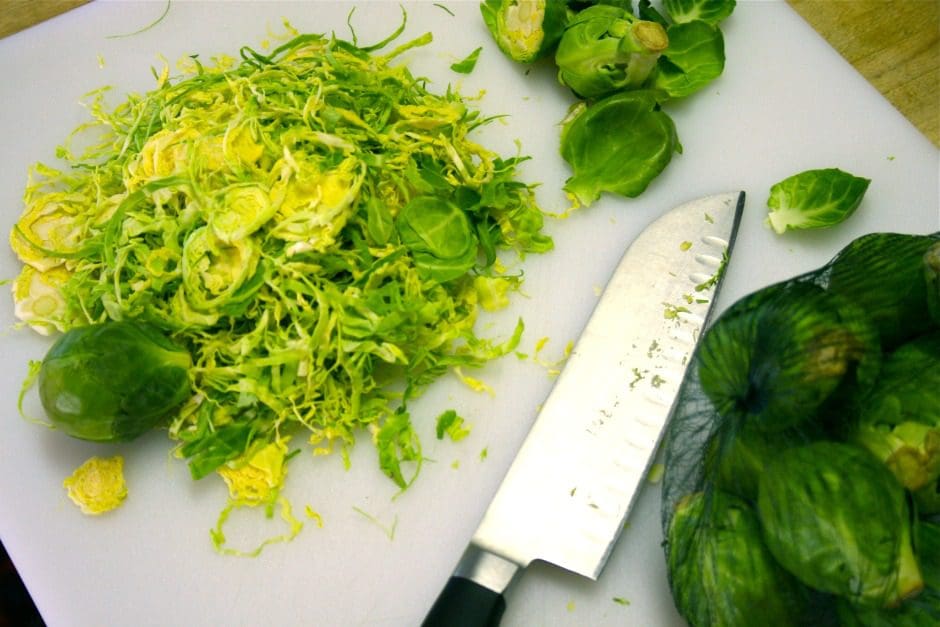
(48, 226)
(38, 298)
(257, 477)
(167, 152)
(213, 270)
(314, 206)
(243, 209)
(239, 145)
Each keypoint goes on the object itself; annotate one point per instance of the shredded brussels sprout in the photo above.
(312, 225)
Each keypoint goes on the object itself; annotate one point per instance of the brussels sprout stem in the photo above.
(650, 35)
(644, 43)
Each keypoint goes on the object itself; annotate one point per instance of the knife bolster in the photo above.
(487, 569)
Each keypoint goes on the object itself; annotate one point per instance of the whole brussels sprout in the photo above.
(112, 381)
(932, 267)
(920, 611)
(736, 458)
(837, 519)
(928, 499)
(777, 355)
(720, 571)
(900, 417)
(887, 276)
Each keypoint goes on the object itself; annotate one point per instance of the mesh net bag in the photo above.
(802, 464)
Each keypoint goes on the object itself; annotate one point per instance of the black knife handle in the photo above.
(465, 603)
(473, 596)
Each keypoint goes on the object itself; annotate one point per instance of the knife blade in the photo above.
(567, 494)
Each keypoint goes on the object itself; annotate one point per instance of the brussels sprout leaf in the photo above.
(711, 11)
(466, 66)
(646, 11)
(694, 58)
(618, 144)
(814, 199)
(439, 236)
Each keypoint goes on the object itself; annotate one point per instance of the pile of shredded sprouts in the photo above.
(314, 225)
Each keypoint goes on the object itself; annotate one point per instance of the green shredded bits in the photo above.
(466, 66)
(638, 375)
(713, 280)
(620, 601)
(219, 541)
(254, 210)
(32, 376)
(444, 8)
(656, 473)
(166, 10)
(452, 425)
(671, 312)
(388, 530)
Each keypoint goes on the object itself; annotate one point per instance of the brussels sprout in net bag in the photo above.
(805, 448)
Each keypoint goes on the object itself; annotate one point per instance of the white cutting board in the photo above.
(787, 102)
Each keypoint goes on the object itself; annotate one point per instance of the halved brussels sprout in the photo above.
(837, 519)
(605, 49)
(525, 30)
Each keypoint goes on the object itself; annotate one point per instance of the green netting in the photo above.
(802, 480)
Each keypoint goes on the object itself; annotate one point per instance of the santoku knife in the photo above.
(567, 494)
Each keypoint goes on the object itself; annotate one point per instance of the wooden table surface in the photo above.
(895, 44)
